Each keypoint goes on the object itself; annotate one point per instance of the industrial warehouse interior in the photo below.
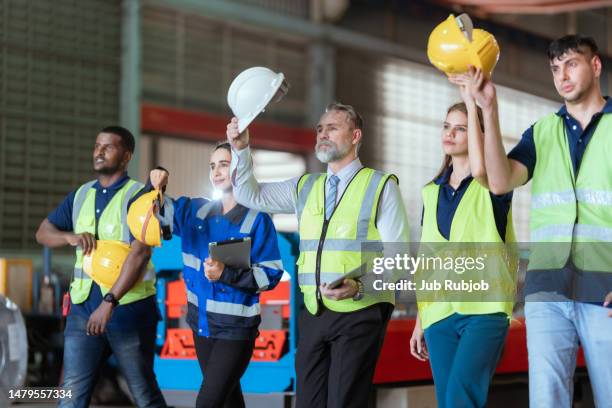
(234, 203)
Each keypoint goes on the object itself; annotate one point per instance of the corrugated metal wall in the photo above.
(297, 8)
(59, 84)
(404, 105)
(189, 61)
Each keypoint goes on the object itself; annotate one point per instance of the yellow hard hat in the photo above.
(454, 45)
(142, 221)
(104, 263)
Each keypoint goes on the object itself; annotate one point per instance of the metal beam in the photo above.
(130, 82)
(210, 127)
(236, 13)
(322, 86)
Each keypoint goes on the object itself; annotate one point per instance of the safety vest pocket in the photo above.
(86, 222)
(110, 230)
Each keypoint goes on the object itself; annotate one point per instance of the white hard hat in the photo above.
(252, 90)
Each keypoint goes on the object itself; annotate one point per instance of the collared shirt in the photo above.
(141, 313)
(568, 281)
(345, 175)
(281, 197)
(577, 138)
(61, 216)
(449, 199)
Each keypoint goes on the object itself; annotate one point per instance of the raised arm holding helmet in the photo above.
(120, 314)
(336, 211)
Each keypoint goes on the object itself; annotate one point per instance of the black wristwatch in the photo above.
(110, 298)
(359, 294)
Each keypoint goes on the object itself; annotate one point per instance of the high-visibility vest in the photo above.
(473, 223)
(331, 248)
(571, 215)
(112, 225)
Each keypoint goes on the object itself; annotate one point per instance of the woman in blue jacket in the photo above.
(222, 301)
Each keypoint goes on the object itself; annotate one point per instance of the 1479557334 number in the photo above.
(31, 394)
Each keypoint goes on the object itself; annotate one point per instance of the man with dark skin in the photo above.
(120, 320)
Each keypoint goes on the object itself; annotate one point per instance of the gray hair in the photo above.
(354, 117)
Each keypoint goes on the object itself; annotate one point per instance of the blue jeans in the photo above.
(85, 355)
(555, 328)
(463, 353)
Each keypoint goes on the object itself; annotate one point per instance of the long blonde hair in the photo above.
(460, 107)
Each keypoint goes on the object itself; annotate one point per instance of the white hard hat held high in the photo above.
(252, 90)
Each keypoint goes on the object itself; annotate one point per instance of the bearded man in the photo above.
(342, 327)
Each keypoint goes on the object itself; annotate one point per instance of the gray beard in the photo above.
(331, 155)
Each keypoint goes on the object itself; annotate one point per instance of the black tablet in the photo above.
(234, 252)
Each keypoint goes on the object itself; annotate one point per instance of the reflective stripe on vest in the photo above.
(79, 199)
(340, 245)
(351, 226)
(305, 192)
(583, 195)
(309, 278)
(464, 229)
(566, 208)
(112, 226)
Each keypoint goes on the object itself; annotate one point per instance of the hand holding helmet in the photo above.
(454, 45)
(104, 264)
(159, 179)
(249, 94)
(238, 140)
(466, 83)
(480, 88)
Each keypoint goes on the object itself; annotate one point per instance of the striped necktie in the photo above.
(330, 199)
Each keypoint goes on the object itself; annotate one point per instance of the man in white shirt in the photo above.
(341, 329)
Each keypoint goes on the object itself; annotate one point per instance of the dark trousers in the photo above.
(337, 355)
(224, 361)
(463, 353)
(85, 355)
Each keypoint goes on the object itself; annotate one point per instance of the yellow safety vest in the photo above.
(330, 249)
(112, 225)
(571, 215)
(473, 223)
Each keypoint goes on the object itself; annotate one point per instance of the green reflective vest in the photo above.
(112, 225)
(571, 216)
(473, 222)
(330, 249)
